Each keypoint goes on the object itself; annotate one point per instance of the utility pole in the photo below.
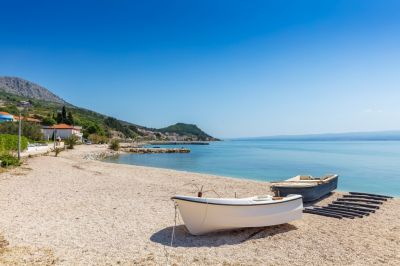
(55, 133)
(19, 136)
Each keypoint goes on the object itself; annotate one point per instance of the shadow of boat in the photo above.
(231, 237)
(315, 202)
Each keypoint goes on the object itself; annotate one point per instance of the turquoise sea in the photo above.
(367, 166)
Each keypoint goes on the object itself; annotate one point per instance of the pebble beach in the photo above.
(76, 210)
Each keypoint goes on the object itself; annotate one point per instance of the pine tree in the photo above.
(70, 118)
(59, 118)
(64, 115)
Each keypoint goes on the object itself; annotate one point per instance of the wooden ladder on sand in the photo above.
(352, 205)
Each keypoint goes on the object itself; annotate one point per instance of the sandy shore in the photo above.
(72, 211)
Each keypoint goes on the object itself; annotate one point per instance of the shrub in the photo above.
(57, 151)
(91, 127)
(71, 141)
(118, 126)
(9, 160)
(97, 139)
(114, 145)
(10, 143)
(30, 130)
(48, 121)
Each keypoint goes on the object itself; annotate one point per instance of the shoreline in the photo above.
(69, 210)
(222, 176)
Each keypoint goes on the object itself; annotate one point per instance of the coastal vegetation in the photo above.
(9, 143)
(71, 141)
(97, 139)
(30, 130)
(8, 146)
(8, 159)
(33, 101)
(114, 145)
(48, 121)
(190, 130)
(57, 151)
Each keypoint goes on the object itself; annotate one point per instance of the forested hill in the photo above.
(186, 129)
(41, 104)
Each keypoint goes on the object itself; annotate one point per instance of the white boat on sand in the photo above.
(204, 215)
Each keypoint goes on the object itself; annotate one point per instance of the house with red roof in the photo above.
(62, 131)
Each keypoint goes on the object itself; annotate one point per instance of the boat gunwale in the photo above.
(243, 205)
(306, 184)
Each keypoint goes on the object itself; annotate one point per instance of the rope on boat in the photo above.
(173, 228)
(172, 235)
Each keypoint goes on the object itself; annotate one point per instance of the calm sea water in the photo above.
(367, 166)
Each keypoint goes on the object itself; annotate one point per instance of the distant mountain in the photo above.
(28, 89)
(43, 103)
(376, 135)
(183, 129)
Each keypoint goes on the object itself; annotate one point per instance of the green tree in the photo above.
(114, 145)
(71, 141)
(30, 130)
(64, 114)
(117, 125)
(62, 117)
(9, 142)
(70, 118)
(59, 118)
(97, 139)
(48, 121)
(93, 128)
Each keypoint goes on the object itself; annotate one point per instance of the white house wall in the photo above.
(62, 133)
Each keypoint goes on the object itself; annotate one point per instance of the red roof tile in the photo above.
(62, 126)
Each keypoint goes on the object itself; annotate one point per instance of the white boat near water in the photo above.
(204, 215)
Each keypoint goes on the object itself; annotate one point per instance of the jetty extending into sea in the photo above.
(155, 150)
(178, 143)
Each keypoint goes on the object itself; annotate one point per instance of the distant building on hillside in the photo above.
(6, 117)
(24, 104)
(62, 131)
(29, 119)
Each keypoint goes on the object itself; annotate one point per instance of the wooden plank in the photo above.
(356, 204)
(369, 194)
(364, 197)
(341, 211)
(332, 212)
(352, 207)
(344, 208)
(322, 213)
(361, 200)
(335, 213)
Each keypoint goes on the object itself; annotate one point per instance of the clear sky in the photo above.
(234, 68)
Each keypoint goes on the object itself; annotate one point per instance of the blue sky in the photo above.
(235, 68)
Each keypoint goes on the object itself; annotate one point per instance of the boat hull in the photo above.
(309, 193)
(201, 218)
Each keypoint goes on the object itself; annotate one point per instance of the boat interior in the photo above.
(309, 178)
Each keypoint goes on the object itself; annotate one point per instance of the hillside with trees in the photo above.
(190, 130)
(36, 102)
